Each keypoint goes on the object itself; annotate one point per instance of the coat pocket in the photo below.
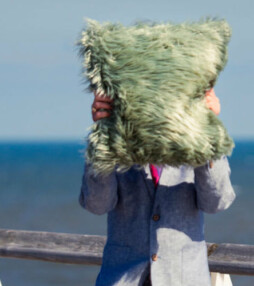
(195, 270)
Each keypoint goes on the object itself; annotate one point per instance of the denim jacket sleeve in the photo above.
(98, 194)
(213, 186)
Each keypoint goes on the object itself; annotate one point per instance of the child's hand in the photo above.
(212, 101)
(101, 102)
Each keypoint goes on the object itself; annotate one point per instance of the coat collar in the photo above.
(170, 176)
(164, 178)
(148, 180)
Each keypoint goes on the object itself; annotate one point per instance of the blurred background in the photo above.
(45, 113)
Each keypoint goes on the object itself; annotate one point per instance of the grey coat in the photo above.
(162, 230)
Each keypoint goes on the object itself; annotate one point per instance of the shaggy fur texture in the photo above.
(157, 74)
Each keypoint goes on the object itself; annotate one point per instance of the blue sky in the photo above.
(41, 92)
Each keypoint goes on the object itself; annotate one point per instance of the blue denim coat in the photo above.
(159, 231)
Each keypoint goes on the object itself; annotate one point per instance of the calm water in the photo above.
(39, 189)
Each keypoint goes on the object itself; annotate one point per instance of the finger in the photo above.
(101, 114)
(208, 92)
(210, 105)
(100, 104)
(208, 102)
(213, 99)
(209, 95)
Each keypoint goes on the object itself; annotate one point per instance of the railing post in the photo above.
(220, 279)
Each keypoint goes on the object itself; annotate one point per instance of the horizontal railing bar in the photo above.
(87, 249)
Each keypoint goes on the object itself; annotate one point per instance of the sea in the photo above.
(39, 189)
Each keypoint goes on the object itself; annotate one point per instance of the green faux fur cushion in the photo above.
(157, 74)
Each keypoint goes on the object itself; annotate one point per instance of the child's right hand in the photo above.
(101, 102)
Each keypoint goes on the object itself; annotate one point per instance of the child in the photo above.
(156, 224)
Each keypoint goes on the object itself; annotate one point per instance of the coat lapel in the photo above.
(165, 178)
(168, 177)
(148, 180)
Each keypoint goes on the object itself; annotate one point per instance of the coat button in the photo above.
(156, 217)
(154, 257)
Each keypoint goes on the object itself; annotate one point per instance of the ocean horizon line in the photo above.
(81, 140)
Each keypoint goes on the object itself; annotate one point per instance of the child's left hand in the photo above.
(212, 101)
